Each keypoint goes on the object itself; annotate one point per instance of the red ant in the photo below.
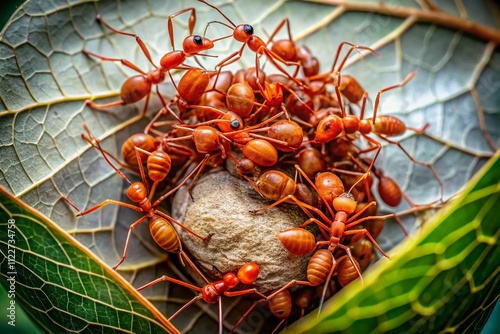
(160, 226)
(139, 86)
(289, 51)
(244, 33)
(208, 140)
(347, 85)
(384, 126)
(212, 292)
(300, 241)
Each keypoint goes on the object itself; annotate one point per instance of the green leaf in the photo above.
(45, 79)
(444, 278)
(61, 284)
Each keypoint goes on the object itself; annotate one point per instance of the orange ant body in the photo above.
(284, 131)
(159, 223)
(363, 252)
(300, 241)
(333, 126)
(140, 140)
(139, 86)
(212, 292)
(311, 161)
(347, 271)
(280, 306)
(244, 33)
(303, 300)
(287, 50)
(347, 85)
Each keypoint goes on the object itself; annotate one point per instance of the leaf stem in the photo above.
(422, 15)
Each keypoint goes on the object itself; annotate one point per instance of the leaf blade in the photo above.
(51, 268)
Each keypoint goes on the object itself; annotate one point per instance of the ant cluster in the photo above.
(263, 124)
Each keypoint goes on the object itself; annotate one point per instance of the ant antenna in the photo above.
(220, 12)
(365, 175)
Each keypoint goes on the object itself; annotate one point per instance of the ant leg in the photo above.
(377, 146)
(137, 38)
(169, 279)
(141, 168)
(302, 205)
(297, 167)
(171, 191)
(172, 317)
(426, 164)
(274, 58)
(200, 168)
(129, 234)
(243, 292)
(172, 220)
(330, 274)
(298, 99)
(220, 12)
(352, 218)
(288, 285)
(339, 98)
(246, 314)
(95, 142)
(191, 23)
(221, 319)
(124, 62)
(317, 222)
(106, 202)
(353, 47)
(181, 253)
(349, 255)
(233, 57)
(482, 122)
(377, 99)
(393, 215)
(269, 139)
(278, 28)
(368, 234)
(94, 105)
(279, 325)
(164, 104)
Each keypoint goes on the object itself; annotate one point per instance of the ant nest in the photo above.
(220, 206)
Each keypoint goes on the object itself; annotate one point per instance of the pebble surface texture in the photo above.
(220, 207)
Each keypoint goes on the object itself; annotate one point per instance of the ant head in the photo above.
(230, 122)
(243, 32)
(345, 202)
(248, 273)
(137, 192)
(196, 43)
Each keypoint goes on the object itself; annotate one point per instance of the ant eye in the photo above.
(248, 29)
(235, 124)
(197, 39)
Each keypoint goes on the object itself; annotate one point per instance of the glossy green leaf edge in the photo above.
(446, 278)
(61, 284)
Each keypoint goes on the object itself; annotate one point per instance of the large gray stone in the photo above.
(220, 207)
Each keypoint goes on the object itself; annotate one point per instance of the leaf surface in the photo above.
(61, 284)
(45, 79)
